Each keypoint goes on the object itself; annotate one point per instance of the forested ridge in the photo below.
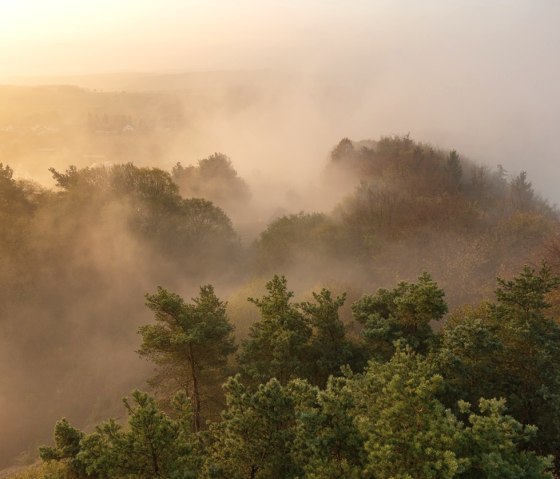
(376, 341)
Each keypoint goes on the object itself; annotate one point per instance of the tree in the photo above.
(193, 231)
(293, 239)
(454, 167)
(493, 445)
(329, 348)
(343, 151)
(278, 343)
(402, 313)
(525, 295)
(12, 195)
(187, 341)
(522, 193)
(152, 446)
(327, 443)
(67, 446)
(409, 433)
(509, 349)
(215, 179)
(252, 441)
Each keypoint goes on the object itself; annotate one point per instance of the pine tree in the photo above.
(278, 343)
(189, 344)
(403, 313)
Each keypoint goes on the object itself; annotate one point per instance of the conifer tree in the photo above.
(403, 313)
(189, 343)
(253, 439)
(278, 343)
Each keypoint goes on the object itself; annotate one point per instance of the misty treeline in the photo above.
(77, 259)
(460, 403)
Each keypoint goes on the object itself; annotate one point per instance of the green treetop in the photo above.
(278, 344)
(402, 313)
(189, 343)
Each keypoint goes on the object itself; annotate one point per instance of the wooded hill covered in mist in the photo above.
(78, 259)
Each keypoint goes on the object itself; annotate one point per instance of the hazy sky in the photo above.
(479, 75)
(68, 36)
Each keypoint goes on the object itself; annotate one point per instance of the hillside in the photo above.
(78, 258)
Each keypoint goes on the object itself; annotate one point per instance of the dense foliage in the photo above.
(376, 382)
(430, 406)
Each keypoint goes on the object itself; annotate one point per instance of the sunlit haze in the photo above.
(479, 76)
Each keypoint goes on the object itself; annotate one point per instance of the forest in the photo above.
(410, 331)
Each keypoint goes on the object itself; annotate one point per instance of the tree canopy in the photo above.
(190, 343)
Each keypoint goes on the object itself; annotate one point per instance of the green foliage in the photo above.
(390, 423)
(402, 313)
(189, 343)
(67, 446)
(278, 343)
(329, 348)
(525, 295)
(387, 423)
(327, 443)
(254, 436)
(408, 433)
(153, 445)
(493, 443)
(510, 350)
(107, 232)
(297, 340)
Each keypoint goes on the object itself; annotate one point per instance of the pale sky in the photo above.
(39, 37)
(478, 75)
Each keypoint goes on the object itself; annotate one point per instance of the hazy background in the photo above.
(478, 76)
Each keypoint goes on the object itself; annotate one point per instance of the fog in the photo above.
(274, 85)
(477, 76)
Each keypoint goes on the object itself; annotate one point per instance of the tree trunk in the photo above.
(196, 392)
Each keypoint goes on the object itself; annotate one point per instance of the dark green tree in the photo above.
(493, 445)
(404, 312)
(190, 343)
(193, 231)
(409, 433)
(525, 295)
(327, 443)
(329, 347)
(510, 349)
(252, 441)
(66, 449)
(278, 343)
(300, 238)
(152, 446)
